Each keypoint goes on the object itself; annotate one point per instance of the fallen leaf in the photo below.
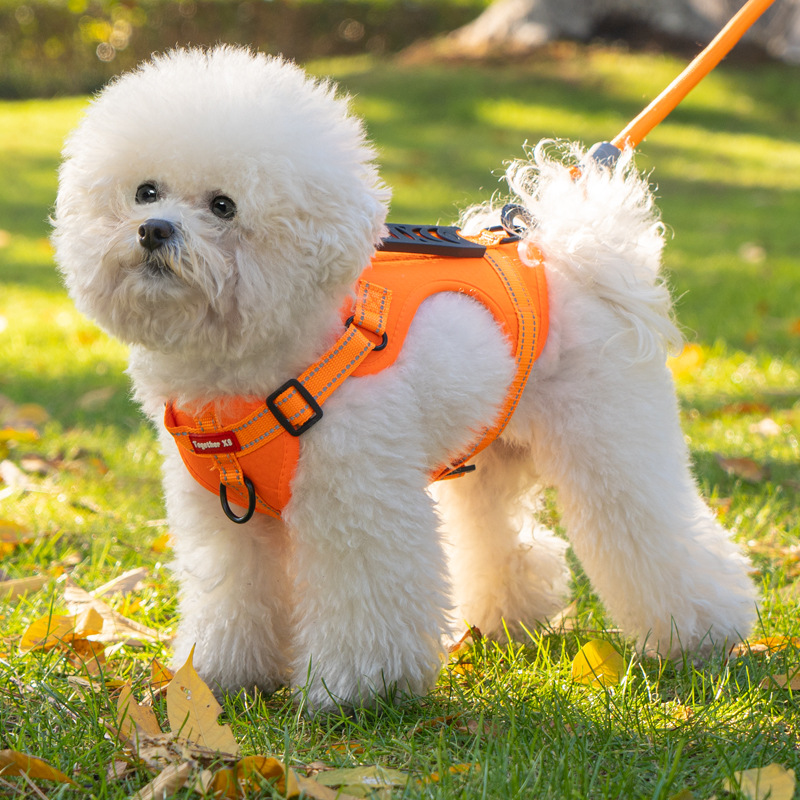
(123, 584)
(161, 543)
(376, 777)
(744, 468)
(15, 763)
(456, 769)
(54, 630)
(598, 663)
(13, 535)
(17, 587)
(769, 644)
(247, 776)
(317, 791)
(160, 676)
(87, 655)
(773, 781)
(686, 364)
(166, 783)
(134, 721)
(193, 711)
(782, 681)
(114, 627)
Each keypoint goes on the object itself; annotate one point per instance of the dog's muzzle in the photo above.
(155, 233)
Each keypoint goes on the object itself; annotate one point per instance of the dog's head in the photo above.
(210, 199)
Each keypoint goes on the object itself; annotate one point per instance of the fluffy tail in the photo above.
(601, 228)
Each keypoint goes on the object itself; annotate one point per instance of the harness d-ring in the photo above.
(251, 502)
(384, 337)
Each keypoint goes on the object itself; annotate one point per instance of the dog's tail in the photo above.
(598, 226)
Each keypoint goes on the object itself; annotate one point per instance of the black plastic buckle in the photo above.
(284, 421)
(384, 338)
(251, 502)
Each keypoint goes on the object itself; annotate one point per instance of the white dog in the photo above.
(215, 211)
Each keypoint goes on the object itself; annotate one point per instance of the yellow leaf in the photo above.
(12, 535)
(317, 791)
(768, 644)
(14, 763)
(598, 664)
(166, 783)
(193, 710)
(134, 720)
(251, 768)
(10, 590)
(376, 777)
(456, 769)
(114, 627)
(52, 631)
(160, 675)
(18, 435)
(161, 543)
(690, 359)
(773, 781)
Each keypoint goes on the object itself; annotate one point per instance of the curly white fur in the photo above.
(351, 592)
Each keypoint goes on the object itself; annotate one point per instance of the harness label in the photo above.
(213, 443)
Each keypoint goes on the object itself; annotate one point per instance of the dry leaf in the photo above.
(12, 535)
(744, 468)
(783, 681)
(123, 584)
(193, 711)
(317, 791)
(690, 360)
(160, 676)
(15, 763)
(598, 663)
(247, 776)
(114, 627)
(166, 783)
(456, 769)
(376, 777)
(769, 644)
(52, 631)
(773, 781)
(17, 587)
(133, 720)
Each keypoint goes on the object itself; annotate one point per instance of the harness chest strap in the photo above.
(211, 449)
(214, 443)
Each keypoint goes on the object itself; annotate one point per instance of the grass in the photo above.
(727, 168)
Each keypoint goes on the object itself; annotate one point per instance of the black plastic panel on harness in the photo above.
(431, 240)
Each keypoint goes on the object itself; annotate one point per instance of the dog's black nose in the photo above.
(154, 233)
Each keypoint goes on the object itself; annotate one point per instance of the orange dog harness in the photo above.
(248, 449)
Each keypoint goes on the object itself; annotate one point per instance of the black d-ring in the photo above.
(251, 502)
(384, 337)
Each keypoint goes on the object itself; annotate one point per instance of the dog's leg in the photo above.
(235, 590)
(507, 572)
(605, 430)
(372, 589)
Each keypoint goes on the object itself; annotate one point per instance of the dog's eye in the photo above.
(147, 193)
(223, 207)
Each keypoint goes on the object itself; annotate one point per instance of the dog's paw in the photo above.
(347, 679)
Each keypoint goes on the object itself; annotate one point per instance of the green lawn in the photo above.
(727, 169)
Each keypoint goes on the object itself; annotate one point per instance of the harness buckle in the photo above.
(283, 420)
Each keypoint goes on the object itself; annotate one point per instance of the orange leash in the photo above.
(721, 45)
